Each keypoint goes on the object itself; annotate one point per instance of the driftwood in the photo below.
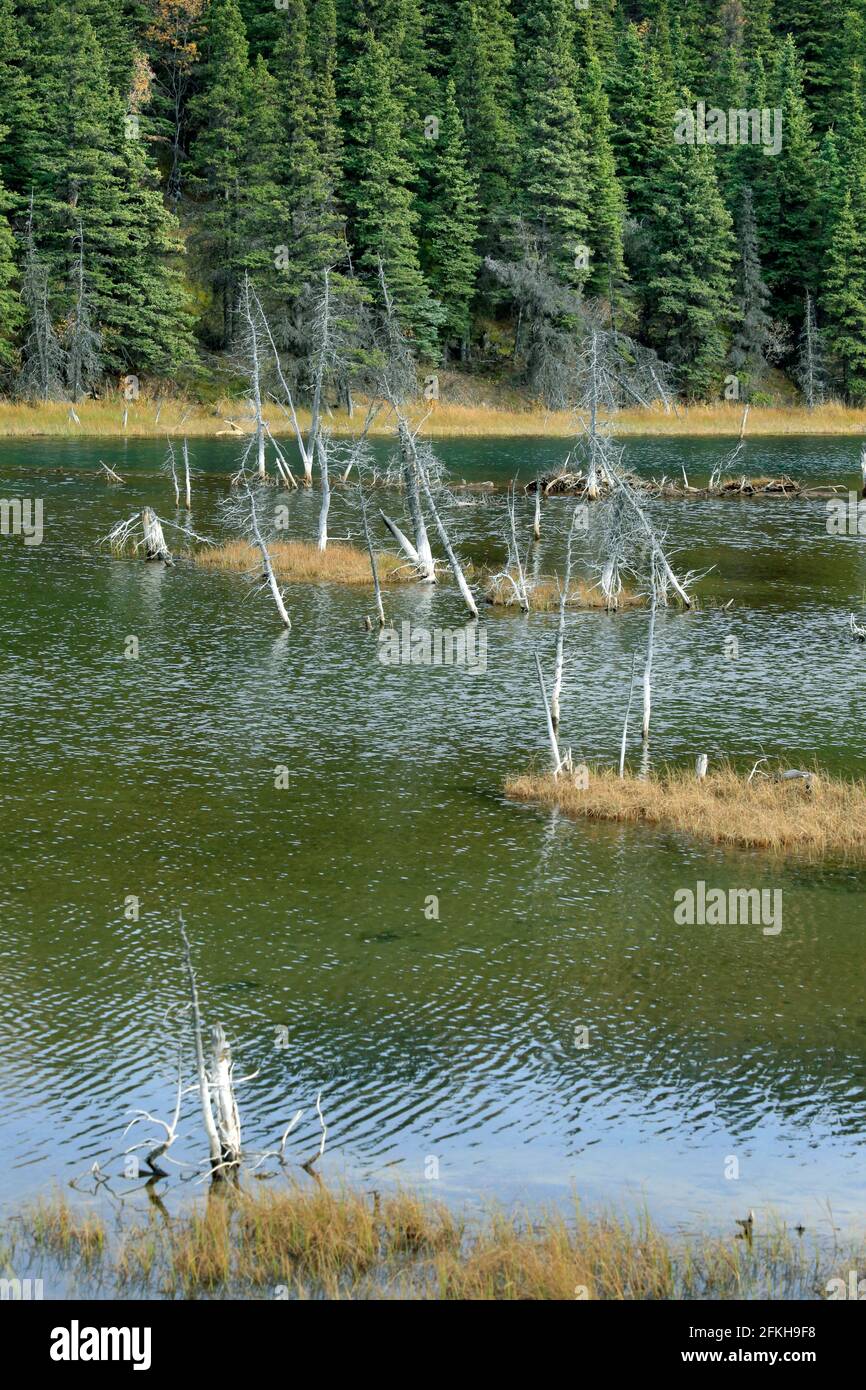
(110, 475)
(576, 484)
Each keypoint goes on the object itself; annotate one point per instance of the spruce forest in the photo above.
(518, 167)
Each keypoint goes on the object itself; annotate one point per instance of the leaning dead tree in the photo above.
(169, 467)
(560, 631)
(324, 358)
(241, 514)
(514, 573)
(251, 319)
(420, 469)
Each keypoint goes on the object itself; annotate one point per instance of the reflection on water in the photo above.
(459, 1038)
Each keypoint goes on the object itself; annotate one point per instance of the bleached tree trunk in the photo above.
(456, 567)
(228, 1121)
(522, 593)
(560, 634)
(536, 525)
(648, 669)
(374, 569)
(403, 541)
(592, 476)
(155, 547)
(551, 732)
(247, 298)
(657, 552)
(307, 447)
(270, 577)
(322, 543)
(622, 746)
(411, 470)
(172, 470)
(213, 1138)
(186, 477)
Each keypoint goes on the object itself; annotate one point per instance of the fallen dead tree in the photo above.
(576, 484)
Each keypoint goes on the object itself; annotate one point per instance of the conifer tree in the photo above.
(378, 190)
(753, 325)
(81, 341)
(554, 161)
(484, 83)
(788, 214)
(844, 303)
(88, 169)
(451, 226)
(11, 313)
(219, 114)
(688, 295)
(606, 199)
(41, 375)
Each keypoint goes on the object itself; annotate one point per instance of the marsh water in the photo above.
(388, 929)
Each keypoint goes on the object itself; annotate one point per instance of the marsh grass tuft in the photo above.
(826, 822)
(303, 562)
(55, 1226)
(544, 596)
(302, 1243)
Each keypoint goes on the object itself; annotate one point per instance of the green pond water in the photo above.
(455, 1039)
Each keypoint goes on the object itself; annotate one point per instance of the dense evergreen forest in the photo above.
(513, 164)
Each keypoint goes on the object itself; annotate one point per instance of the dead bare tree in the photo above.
(560, 632)
(241, 514)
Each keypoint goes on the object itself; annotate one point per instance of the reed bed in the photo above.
(104, 418)
(544, 596)
(302, 1243)
(825, 819)
(303, 562)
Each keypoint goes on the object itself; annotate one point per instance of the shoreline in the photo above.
(299, 1242)
(104, 419)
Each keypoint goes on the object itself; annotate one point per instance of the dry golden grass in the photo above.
(781, 817)
(544, 596)
(302, 562)
(57, 1227)
(104, 418)
(726, 418)
(318, 1243)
